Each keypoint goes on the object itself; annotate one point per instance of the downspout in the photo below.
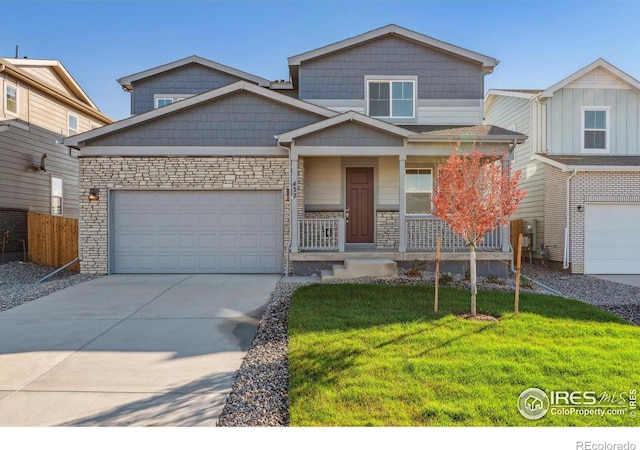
(565, 261)
(289, 188)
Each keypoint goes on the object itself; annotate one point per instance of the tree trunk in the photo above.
(473, 278)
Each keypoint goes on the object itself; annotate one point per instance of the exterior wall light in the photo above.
(94, 194)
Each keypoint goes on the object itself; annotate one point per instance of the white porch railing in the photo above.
(321, 234)
(422, 233)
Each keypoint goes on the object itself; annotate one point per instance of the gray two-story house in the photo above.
(221, 171)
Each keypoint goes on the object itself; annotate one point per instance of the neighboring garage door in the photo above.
(612, 239)
(196, 232)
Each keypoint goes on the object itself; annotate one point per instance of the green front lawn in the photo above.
(364, 354)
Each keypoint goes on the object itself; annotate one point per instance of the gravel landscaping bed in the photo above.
(18, 282)
(259, 396)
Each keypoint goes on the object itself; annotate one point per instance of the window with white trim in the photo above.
(56, 196)
(418, 191)
(72, 124)
(11, 99)
(595, 129)
(391, 98)
(161, 101)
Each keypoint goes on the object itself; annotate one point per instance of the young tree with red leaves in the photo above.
(475, 194)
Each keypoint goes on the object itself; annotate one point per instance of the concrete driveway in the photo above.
(137, 350)
(631, 280)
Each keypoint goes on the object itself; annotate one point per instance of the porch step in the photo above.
(362, 268)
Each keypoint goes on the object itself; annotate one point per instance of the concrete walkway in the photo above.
(137, 350)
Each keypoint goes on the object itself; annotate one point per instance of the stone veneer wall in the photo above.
(323, 214)
(387, 229)
(167, 173)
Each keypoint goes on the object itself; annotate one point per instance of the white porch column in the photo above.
(402, 232)
(293, 204)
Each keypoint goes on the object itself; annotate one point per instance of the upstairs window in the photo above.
(418, 190)
(167, 99)
(56, 196)
(72, 122)
(595, 129)
(391, 98)
(11, 99)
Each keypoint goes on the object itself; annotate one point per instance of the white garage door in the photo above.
(612, 239)
(196, 232)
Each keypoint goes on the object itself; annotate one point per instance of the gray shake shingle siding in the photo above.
(191, 79)
(350, 134)
(240, 119)
(341, 75)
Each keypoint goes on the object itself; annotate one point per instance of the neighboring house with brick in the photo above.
(41, 104)
(218, 170)
(580, 165)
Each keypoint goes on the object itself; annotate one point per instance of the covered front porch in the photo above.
(362, 188)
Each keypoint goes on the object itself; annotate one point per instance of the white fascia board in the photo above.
(486, 61)
(150, 151)
(551, 162)
(468, 138)
(126, 81)
(344, 117)
(60, 69)
(585, 168)
(504, 93)
(635, 84)
(75, 140)
(347, 151)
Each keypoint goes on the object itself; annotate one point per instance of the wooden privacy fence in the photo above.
(516, 229)
(52, 240)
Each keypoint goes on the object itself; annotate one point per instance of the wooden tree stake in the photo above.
(435, 305)
(518, 264)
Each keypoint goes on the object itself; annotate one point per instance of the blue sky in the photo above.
(537, 42)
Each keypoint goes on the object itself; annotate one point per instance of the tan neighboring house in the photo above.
(222, 171)
(580, 165)
(41, 104)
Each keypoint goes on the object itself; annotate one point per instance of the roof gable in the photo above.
(127, 81)
(599, 73)
(194, 102)
(349, 116)
(54, 75)
(487, 62)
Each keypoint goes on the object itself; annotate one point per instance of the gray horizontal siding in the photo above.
(341, 75)
(191, 79)
(350, 134)
(23, 187)
(240, 119)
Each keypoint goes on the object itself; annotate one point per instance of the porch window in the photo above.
(595, 130)
(56, 196)
(418, 190)
(391, 98)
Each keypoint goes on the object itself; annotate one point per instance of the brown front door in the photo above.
(360, 205)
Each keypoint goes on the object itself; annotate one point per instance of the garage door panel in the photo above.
(197, 232)
(611, 239)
